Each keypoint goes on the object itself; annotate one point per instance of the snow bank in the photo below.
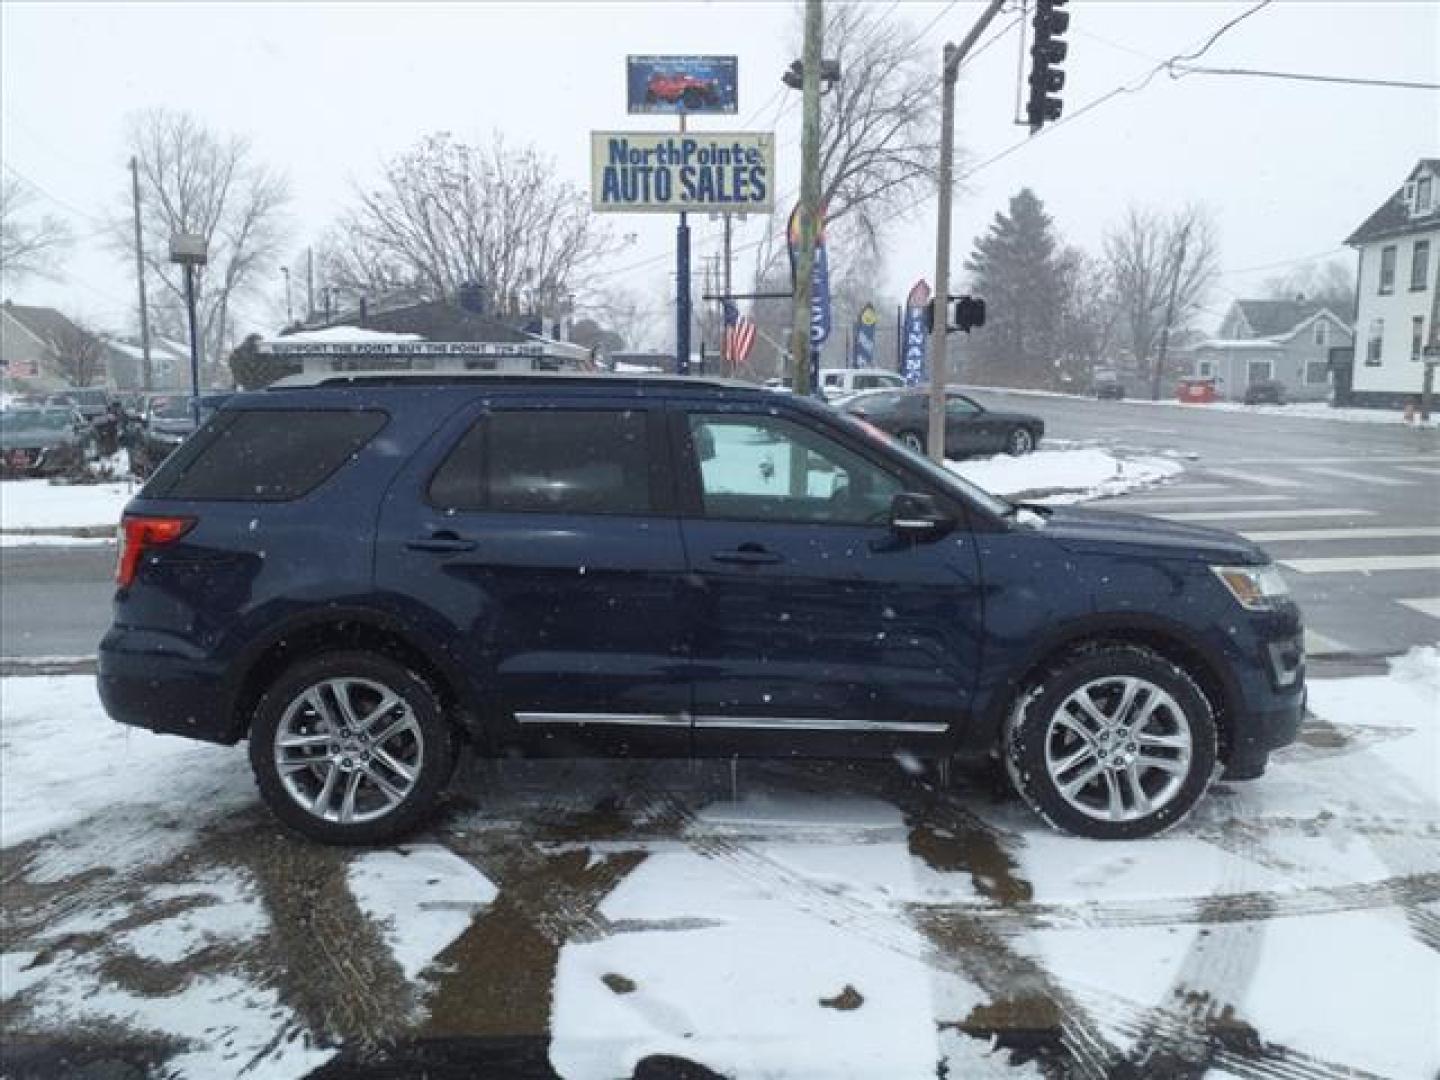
(39, 504)
(1066, 475)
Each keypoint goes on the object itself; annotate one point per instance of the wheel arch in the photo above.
(1173, 641)
(339, 629)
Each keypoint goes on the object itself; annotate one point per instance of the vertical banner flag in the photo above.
(819, 279)
(864, 337)
(912, 364)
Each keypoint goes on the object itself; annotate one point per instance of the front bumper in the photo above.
(146, 681)
(1256, 734)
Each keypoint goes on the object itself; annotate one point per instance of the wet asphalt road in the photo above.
(1362, 492)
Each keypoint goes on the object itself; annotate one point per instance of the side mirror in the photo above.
(916, 513)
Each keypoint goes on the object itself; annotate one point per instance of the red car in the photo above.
(689, 90)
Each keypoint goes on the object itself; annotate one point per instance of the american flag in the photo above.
(739, 337)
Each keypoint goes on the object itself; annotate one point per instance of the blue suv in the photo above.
(362, 575)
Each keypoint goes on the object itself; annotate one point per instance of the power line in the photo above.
(1143, 82)
(1258, 73)
(1282, 262)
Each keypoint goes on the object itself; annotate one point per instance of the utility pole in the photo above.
(682, 288)
(147, 370)
(1169, 314)
(800, 376)
(309, 283)
(939, 349)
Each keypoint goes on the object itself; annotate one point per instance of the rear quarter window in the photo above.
(264, 455)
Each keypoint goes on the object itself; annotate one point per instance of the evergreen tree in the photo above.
(1019, 269)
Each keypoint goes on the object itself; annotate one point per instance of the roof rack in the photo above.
(512, 378)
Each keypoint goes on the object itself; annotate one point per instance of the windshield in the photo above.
(35, 419)
(170, 408)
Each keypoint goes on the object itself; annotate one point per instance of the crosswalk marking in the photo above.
(1405, 532)
(1244, 476)
(1428, 605)
(1241, 515)
(1353, 459)
(1184, 500)
(1363, 564)
(1363, 478)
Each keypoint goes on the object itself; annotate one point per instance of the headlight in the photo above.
(1255, 587)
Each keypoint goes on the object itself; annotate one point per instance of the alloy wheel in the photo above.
(1118, 749)
(349, 750)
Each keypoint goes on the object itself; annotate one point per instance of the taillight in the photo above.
(138, 533)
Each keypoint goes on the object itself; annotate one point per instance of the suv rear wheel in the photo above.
(1115, 742)
(351, 748)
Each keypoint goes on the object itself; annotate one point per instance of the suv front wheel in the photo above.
(1116, 742)
(351, 748)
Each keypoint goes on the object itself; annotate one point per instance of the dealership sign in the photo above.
(682, 84)
(646, 171)
(283, 348)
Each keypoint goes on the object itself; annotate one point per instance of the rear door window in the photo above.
(264, 455)
(590, 461)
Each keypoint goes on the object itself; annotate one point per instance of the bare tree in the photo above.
(878, 125)
(79, 355)
(1330, 284)
(1152, 258)
(1089, 316)
(446, 213)
(193, 180)
(29, 245)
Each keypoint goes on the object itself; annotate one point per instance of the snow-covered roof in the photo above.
(1239, 345)
(345, 335)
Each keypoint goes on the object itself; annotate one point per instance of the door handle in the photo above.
(442, 542)
(749, 555)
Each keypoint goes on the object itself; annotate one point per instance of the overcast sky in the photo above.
(326, 91)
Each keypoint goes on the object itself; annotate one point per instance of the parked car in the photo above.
(672, 87)
(362, 575)
(970, 428)
(90, 402)
(1110, 390)
(44, 441)
(840, 382)
(165, 421)
(1265, 392)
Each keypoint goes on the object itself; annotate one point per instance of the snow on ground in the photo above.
(1066, 474)
(39, 504)
(825, 921)
(10, 540)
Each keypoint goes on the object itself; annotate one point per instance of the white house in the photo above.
(1399, 244)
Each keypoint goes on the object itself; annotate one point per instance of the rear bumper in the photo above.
(1255, 735)
(147, 680)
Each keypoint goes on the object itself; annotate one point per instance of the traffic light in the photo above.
(1046, 54)
(966, 313)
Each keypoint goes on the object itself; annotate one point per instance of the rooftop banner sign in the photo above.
(682, 84)
(281, 347)
(648, 172)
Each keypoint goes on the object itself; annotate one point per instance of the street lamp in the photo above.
(190, 250)
(289, 312)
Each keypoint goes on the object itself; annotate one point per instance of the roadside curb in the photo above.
(22, 666)
(80, 532)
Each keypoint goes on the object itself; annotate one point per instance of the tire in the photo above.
(372, 771)
(912, 439)
(1043, 740)
(1019, 442)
